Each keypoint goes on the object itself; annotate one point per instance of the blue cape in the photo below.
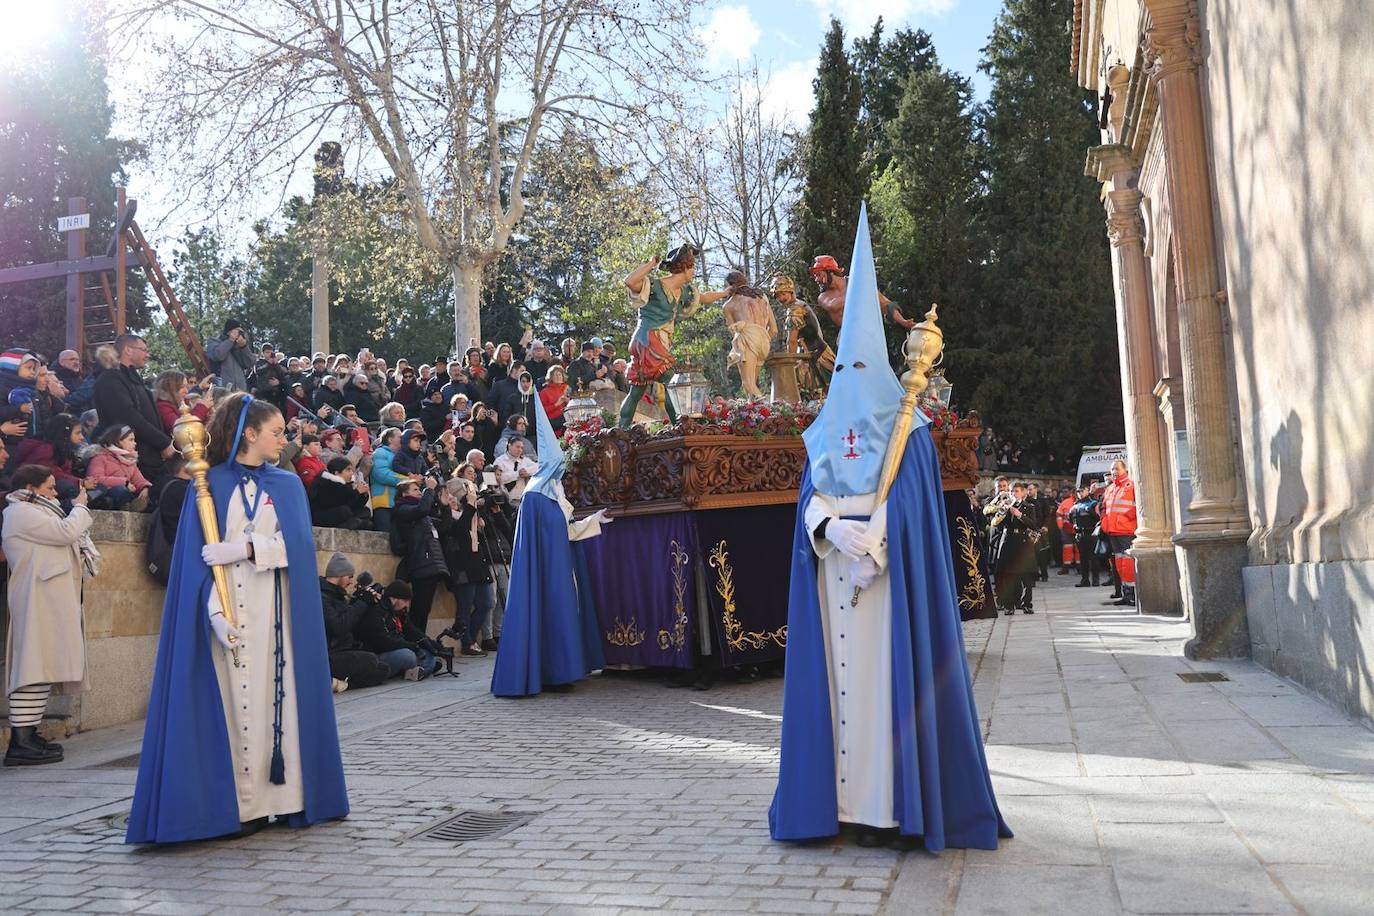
(550, 634)
(185, 788)
(942, 790)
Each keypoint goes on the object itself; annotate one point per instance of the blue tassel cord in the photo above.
(278, 773)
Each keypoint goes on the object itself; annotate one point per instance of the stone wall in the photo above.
(1290, 135)
(123, 611)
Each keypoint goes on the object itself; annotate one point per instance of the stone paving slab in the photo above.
(1130, 791)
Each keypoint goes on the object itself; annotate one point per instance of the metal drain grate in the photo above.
(1201, 677)
(474, 825)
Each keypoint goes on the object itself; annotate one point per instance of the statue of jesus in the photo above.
(750, 318)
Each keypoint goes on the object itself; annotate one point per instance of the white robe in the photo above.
(858, 644)
(249, 690)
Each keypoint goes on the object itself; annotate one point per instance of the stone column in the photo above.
(1214, 531)
(1157, 589)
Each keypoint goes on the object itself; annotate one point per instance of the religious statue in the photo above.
(750, 318)
(829, 276)
(804, 337)
(661, 302)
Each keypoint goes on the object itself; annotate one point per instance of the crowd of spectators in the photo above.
(436, 454)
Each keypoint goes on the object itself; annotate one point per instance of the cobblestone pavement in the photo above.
(1128, 788)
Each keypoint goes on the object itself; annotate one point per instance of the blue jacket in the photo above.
(384, 479)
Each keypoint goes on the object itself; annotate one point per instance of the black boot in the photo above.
(50, 745)
(25, 749)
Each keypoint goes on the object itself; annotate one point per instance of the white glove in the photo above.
(863, 571)
(601, 517)
(224, 553)
(851, 538)
(228, 636)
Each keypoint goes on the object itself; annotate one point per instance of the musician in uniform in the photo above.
(1016, 524)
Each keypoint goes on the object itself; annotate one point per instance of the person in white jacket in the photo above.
(514, 470)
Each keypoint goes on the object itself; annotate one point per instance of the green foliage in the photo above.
(55, 143)
(1050, 341)
(884, 66)
(924, 205)
(835, 179)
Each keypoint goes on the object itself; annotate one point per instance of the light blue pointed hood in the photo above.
(550, 455)
(848, 440)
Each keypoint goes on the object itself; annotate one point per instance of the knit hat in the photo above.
(399, 589)
(339, 565)
(233, 324)
(21, 396)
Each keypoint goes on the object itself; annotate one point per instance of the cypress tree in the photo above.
(1052, 370)
(924, 208)
(884, 66)
(834, 177)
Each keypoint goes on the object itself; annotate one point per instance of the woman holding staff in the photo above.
(241, 719)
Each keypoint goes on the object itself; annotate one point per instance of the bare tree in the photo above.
(742, 183)
(451, 97)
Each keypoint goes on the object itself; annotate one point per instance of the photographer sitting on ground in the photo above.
(385, 629)
(349, 662)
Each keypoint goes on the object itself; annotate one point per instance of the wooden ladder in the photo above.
(101, 321)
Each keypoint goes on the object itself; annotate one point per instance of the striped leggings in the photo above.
(27, 705)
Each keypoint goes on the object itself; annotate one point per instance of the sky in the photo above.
(785, 36)
(782, 37)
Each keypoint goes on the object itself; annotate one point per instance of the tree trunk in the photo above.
(467, 302)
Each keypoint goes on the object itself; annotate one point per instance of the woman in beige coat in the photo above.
(48, 553)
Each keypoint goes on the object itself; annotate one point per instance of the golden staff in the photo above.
(191, 439)
(924, 346)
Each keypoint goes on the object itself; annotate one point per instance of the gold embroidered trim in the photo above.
(974, 593)
(677, 637)
(624, 633)
(735, 636)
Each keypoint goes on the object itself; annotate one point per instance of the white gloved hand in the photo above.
(851, 538)
(228, 636)
(863, 571)
(224, 553)
(601, 517)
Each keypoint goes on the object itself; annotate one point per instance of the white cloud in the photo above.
(730, 35)
(859, 15)
(788, 95)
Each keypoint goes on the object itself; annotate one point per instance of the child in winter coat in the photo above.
(119, 483)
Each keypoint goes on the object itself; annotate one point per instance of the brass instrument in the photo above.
(191, 439)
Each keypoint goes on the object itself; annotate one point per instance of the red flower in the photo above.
(764, 411)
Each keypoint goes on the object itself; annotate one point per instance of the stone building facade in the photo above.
(1242, 242)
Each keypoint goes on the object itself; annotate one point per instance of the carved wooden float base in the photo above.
(633, 473)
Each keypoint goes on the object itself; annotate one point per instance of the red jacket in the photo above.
(308, 467)
(550, 395)
(1118, 507)
(170, 413)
